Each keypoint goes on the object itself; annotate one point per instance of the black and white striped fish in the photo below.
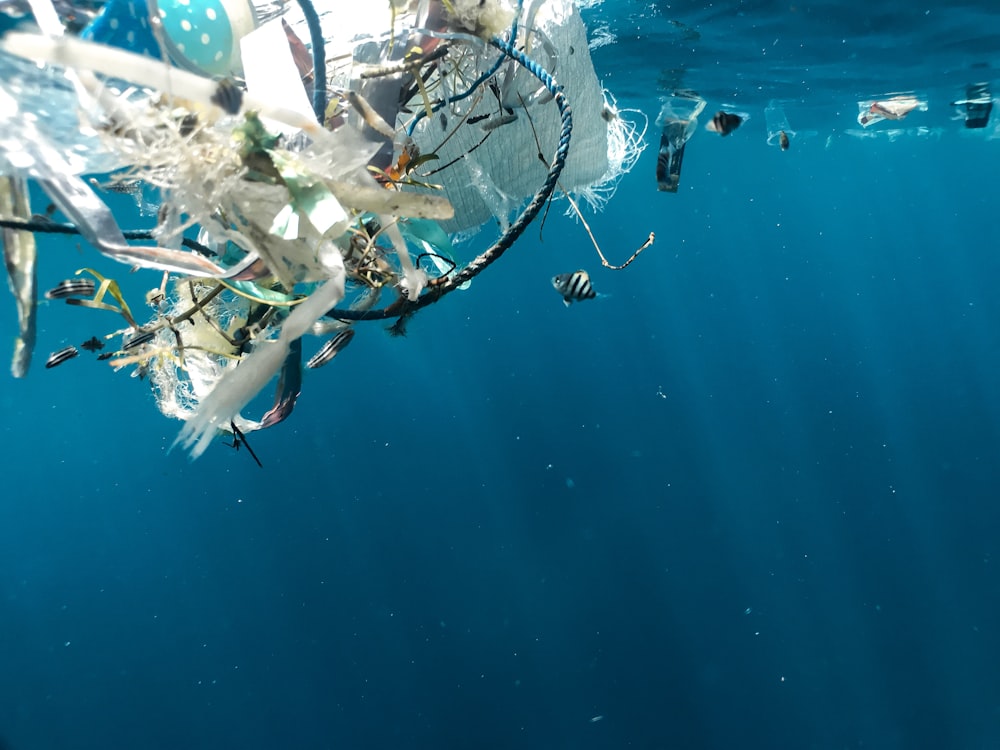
(57, 358)
(72, 288)
(330, 349)
(574, 286)
(138, 338)
(724, 123)
(228, 95)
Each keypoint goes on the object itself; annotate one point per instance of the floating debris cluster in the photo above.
(306, 171)
(678, 121)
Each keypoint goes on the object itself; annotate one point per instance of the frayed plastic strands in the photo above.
(241, 383)
(626, 142)
(207, 337)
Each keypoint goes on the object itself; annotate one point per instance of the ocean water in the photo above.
(747, 497)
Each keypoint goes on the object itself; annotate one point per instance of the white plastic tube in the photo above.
(143, 71)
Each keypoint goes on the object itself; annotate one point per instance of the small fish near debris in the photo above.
(139, 338)
(228, 96)
(783, 140)
(57, 358)
(724, 123)
(574, 287)
(72, 288)
(93, 344)
(331, 348)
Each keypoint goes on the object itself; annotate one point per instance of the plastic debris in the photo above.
(19, 254)
(897, 107)
(976, 106)
(678, 120)
(322, 160)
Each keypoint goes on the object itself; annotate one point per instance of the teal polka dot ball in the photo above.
(203, 35)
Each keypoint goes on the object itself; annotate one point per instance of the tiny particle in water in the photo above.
(595, 719)
(570, 484)
(747, 611)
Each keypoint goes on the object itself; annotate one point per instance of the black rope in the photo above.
(45, 226)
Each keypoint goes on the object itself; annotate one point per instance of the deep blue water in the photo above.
(747, 498)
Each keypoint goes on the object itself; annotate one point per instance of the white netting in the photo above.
(509, 156)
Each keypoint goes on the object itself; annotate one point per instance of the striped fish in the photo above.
(330, 349)
(724, 123)
(57, 358)
(139, 338)
(574, 286)
(72, 288)
(228, 95)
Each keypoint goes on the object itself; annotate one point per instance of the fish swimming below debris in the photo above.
(783, 140)
(574, 287)
(57, 358)
(724, 123)
(331, 348)
(72, 288)
(93, 344)
(139, 338)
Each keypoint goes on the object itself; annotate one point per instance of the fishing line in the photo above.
(576, 208)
